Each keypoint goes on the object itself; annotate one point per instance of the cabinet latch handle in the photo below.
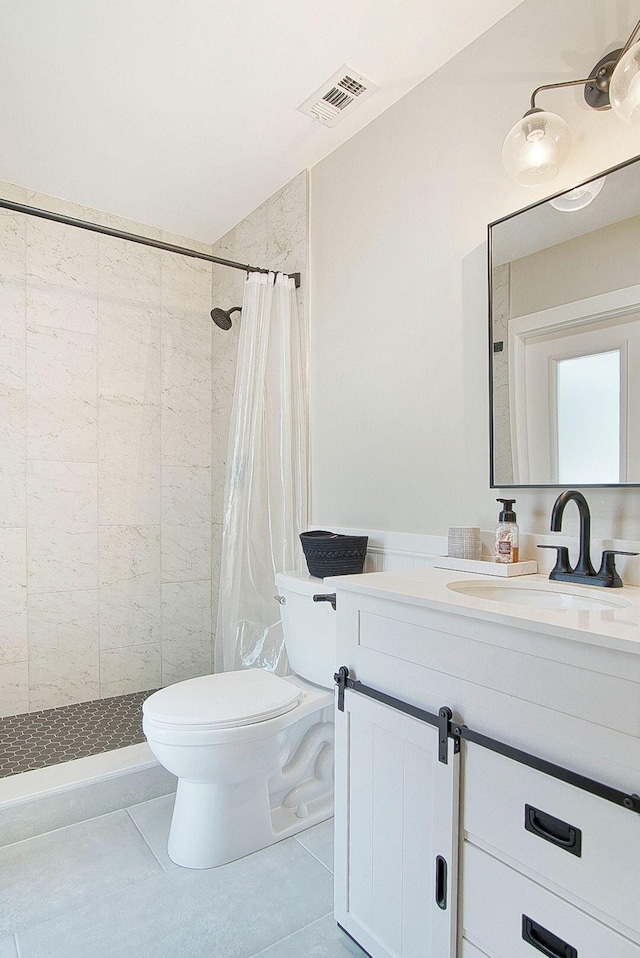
(441, 882)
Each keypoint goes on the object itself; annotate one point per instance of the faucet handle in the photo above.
(608, 574)
(562, 560)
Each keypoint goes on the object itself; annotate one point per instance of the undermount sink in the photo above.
(542, 596)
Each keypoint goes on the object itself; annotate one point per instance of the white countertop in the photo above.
(614, 627)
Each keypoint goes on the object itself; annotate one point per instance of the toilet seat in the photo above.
(222, 701)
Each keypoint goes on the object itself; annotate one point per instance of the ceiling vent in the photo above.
(339, 95)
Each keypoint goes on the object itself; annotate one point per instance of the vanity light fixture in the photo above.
(538, 144)
(579, 197)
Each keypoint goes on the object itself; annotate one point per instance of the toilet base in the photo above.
(214, 824)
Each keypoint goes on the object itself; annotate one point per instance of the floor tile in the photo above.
(153, 819)
(46, 876)
(322, 939)
(319, 841)
(233, 911)
(50, 736)
(8, 947)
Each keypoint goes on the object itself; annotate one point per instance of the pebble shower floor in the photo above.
(37, 739)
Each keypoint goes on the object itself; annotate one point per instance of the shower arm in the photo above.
(136, 238)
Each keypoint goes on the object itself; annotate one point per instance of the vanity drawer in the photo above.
(467, 950)
(573, 841)
(509, 916)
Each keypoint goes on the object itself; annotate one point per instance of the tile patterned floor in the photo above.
(36, 739)
(106, 888)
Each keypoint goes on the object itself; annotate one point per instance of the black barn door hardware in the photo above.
(463, 732)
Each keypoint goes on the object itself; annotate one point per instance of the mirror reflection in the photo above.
(565, 337)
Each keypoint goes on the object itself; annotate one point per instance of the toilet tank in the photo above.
(309, 627)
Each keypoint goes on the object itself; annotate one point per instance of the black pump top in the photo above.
(507, 514)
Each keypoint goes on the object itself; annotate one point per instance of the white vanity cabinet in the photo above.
(534, 864)
(396, 834)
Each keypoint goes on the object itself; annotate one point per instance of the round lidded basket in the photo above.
(328, 553)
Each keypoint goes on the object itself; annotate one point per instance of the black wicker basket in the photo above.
(328, 553)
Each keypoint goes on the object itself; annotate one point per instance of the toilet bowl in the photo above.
(253, 752)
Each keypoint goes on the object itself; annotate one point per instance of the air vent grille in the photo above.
(343, 90)
(348, 83)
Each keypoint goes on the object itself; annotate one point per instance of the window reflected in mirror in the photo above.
(565, 339)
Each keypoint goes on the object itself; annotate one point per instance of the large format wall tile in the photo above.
(14, 688)
(132, 669)
(186, 523)
(286, 213)
(130, 590)
(186, 363)
(62, 276)
(13, 561)
(13, 596)
(62, 526)
(62, 408)
(186, 630)
(129, 463)
(63, 648)
(129, 325)
(13, 424)
(129, 353)
(13, 292)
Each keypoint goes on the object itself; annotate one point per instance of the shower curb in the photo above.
(49, 798)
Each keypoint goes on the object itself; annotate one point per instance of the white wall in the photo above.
(399, 418)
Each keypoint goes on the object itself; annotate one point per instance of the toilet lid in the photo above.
(224, 700)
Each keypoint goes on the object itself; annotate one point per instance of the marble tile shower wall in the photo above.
(106, 430)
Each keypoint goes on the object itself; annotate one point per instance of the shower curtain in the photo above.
(266, 483)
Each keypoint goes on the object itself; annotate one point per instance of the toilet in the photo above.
(253, 752)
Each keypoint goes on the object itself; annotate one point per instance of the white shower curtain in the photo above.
(266, 485)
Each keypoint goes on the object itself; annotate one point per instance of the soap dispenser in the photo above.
(507, 533)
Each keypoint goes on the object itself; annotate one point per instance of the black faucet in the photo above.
(583, 572)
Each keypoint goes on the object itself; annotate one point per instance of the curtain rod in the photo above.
(135, 238)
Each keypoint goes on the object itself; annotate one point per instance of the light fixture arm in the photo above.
(632, 37)
(556, 86)
(600, 77)
(538, 144)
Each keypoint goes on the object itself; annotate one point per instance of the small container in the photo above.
(328, 553)
(507, 533)
(464, 542)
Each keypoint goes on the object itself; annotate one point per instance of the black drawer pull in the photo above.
(545, 941)
(441, 882)
(553, 830)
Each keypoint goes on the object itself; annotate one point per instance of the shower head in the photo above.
(222, 317)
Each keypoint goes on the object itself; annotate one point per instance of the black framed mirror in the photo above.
(564, 337)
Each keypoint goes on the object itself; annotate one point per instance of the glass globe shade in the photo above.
(579, 197)
(536, 147)
(624, 89)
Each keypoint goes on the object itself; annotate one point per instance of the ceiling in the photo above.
(182, 113)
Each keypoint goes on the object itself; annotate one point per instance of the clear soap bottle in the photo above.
(507, 533)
